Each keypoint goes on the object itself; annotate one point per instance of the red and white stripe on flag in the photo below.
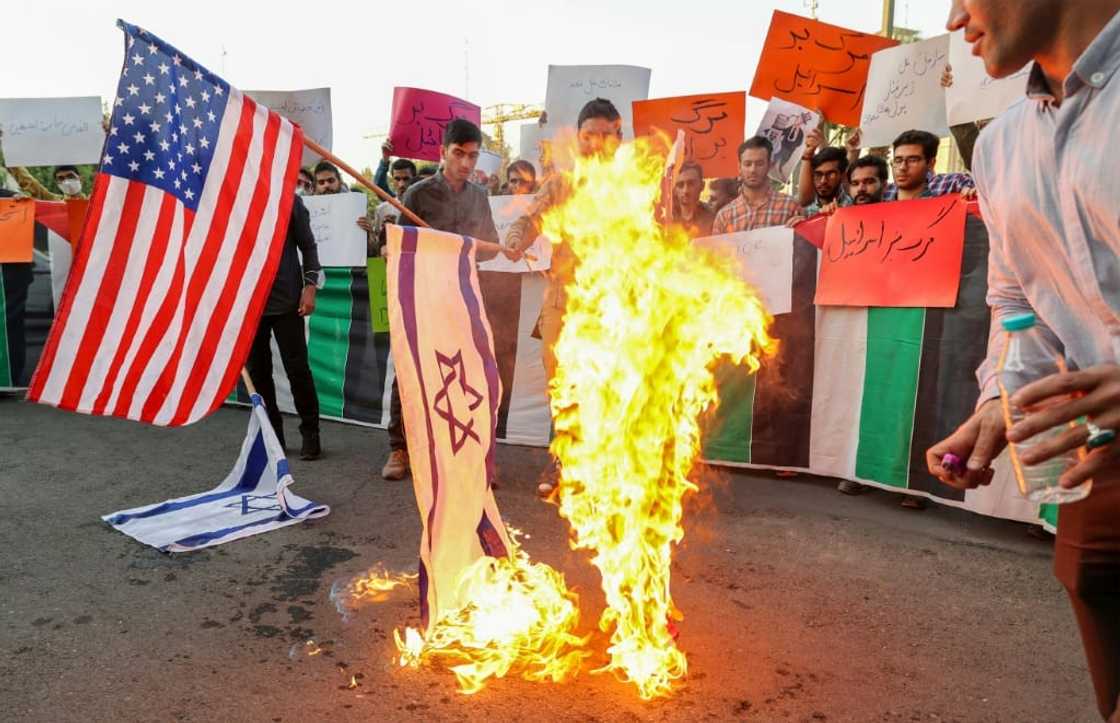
(165, 294)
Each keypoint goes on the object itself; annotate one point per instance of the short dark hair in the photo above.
(427, 170)
(925, 139)
(830, 153)
(597, 108)
(692, 166)
(522, 165)
(303, 171)
(327, 167)
(461, 131)
(876, 162)
(756, 142)
(403, 164)
(730, 186)
(60, 169)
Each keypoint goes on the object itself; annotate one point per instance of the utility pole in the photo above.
(812, 5)
(888, 18)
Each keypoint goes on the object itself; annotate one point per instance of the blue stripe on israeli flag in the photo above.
(255, 497)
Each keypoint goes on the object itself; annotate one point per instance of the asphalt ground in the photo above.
(800, 603)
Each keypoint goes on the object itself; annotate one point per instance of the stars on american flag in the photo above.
(164, 133)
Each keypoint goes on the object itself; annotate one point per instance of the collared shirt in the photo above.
(842, 199)
(291, 275)
(1049, 196)
(465, 212)
(739, 215)
(936, 185)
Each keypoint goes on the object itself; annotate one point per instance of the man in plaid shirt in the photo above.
(758, 205)
(915, 153)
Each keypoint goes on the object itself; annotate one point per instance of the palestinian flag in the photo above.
(861, 393)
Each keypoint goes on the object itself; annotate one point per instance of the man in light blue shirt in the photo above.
(1049, 187)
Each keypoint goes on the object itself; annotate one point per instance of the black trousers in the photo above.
(1087, 563)
(289, 331)
(17, 280)
(396, 421)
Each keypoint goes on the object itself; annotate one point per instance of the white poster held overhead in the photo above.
(51, 131)
(975, 95)
(310, 108)
(531, 149)
(571, 86)
(786, 125)
(334, 223)
(904, 92)
(765, 258)
(506, 210)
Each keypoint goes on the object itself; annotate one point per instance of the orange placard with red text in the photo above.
(76, 216)
(903, 253)
(816, 65)
(17, 230)
(712, 124)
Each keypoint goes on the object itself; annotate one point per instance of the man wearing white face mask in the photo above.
(65, 177)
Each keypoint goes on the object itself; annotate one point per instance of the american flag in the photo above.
(184, 233)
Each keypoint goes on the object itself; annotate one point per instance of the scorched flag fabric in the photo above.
(443, 351)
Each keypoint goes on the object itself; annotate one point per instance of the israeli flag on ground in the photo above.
(254, 498)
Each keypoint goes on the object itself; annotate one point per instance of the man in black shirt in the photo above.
(292, 298)
(448, 202)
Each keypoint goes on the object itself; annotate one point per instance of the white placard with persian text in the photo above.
(904, 92)
(334, 223)
(765, 259)
(51, 131)
(310, 109)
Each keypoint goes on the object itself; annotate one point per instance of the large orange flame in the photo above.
(647, 316)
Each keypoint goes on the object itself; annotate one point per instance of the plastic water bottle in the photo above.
(1027, 356)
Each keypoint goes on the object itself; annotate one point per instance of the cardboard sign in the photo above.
(904, 92)
(419, 118)
(712, 124)
(51, 131)
(376, 271)
(786, 125)
(765, 260)
(816, 65)
(903, 253)
(532, 146)
(334, 223)
(17, 230)
(489, 163)
(975, 95)
(571, 86)
(310, 109)
(506, 210)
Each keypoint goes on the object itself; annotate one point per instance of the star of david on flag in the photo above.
(254, 497)
(443, 353)
(182, 239)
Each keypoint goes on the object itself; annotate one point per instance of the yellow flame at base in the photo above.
(521, 617)
(647, 316)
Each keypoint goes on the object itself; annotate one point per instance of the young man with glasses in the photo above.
(913, 158)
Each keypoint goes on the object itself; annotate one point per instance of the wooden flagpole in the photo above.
(488, 246)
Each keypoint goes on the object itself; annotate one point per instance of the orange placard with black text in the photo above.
(816, 65)
(17, 230)
(712, 125)
(901, 253)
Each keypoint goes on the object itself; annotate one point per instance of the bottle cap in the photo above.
(1019, 322)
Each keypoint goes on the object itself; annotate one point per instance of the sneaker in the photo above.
(396, 467)
(849, 487)
(311, 448)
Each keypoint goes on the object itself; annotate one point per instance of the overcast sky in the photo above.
(361, 50)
